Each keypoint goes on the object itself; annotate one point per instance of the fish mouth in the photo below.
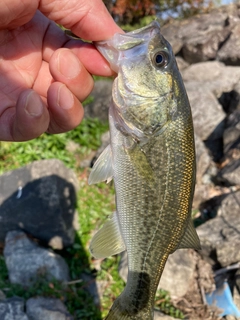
(117, 47)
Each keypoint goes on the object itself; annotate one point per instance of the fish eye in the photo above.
(160, 59)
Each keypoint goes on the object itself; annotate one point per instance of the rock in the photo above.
(208, 116)
(178, 273)
(182, 64)
(230, 173)
(203, 159)
(214, 35)
(170, 32)
(231, 136)
(26, 261)
(2, 295)
(40, 199)
(228, 252)
(12, 309)
(212, 76)
(102, 94)
(204, 46)
(219, 236)
(93, 287)
(229, 52)
(47, 308)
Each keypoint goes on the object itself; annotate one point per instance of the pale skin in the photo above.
(44, 75)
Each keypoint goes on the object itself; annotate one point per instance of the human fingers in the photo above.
(26, 120)
(88, 19)
(66, 68)
(14, 13)
(65, 110)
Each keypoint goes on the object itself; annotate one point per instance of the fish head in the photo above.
(148, 86)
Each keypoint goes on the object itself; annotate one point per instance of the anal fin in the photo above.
(108, 240)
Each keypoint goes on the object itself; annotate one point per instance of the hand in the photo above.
(44, 74)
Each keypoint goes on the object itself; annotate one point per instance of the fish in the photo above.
(151, 159)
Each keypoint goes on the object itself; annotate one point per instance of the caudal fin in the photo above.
(118, 312)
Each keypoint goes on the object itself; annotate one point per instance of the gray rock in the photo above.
(26, 261)
(182, 64)
(204, 46)
(12, 309)
(219, 236)
(202, 158)
(170, 32)
(208, 116)
(178, 273)
(231, 136)
(92, 287)
(212, 76)
(102, 94)
(40, 199)
(229, 52)
(230, 173)
(2, 295)
(47, 308)
(214, 35)
(228, 252)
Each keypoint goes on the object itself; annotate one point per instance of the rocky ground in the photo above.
(208, 55)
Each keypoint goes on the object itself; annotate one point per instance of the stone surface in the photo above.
(219, 236)
(40, 199)
(231, 137)
(26, 261)
(214, 35)
(212, 76)
(102, 94)
(230, 173)
(93, 287)
(229, 52)
(47, 308)
(203, 159)
(178, 273)
(208, 116)
(12, 309)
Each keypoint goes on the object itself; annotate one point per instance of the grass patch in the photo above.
(48, 146)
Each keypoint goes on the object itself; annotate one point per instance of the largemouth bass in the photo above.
(151, 159)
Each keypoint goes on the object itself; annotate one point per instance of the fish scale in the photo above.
(152, 161)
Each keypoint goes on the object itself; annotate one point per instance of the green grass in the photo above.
(87, 136)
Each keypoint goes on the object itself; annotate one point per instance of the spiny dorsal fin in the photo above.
(108, 240)
(102, 169)
(190, 238)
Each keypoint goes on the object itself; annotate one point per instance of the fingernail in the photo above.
(68, 64)
(34, 105)
(65, 98)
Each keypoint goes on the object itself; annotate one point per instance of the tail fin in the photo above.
(117, 312)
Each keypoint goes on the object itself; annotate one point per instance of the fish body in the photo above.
(151, 159)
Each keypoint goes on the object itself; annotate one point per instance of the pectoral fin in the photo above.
(108, 240)
(102, 169)
(190, 238)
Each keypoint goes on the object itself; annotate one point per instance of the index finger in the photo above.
(88, 19)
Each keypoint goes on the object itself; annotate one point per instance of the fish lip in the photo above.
(113, 48)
